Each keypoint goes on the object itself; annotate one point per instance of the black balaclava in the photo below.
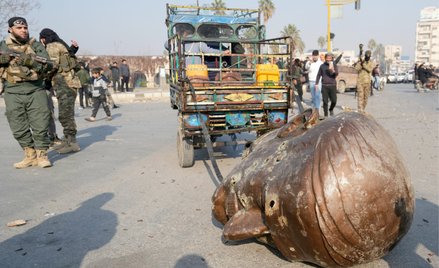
(367, 55)
(50, 36)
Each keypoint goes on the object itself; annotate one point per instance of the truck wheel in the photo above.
(185, 148)
(341, 86)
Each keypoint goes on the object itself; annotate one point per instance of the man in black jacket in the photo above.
(328, 72)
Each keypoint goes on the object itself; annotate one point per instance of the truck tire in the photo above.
(185, 149)
(341, 86)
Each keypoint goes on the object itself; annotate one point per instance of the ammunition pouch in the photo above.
(16, 73)
(67, 63)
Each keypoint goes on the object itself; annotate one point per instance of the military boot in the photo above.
(30, 158)
(55, 142)
(42, 159)
(60, 144)
(71, 146)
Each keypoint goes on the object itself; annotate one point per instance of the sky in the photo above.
(136, 27)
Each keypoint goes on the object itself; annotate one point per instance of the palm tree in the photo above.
(371, 44)
(321, 42)
(291, 30)
(379, 54)
(266, 7)
(219, 4)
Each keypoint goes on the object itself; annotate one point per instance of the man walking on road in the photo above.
(314, 67)
(364, 68)
(328, 72)
(27, 109)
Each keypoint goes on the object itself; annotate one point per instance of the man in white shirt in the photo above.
(314, 67)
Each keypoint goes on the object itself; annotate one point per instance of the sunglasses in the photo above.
(20, 22)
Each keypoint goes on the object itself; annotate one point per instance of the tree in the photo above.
(371, 44)
(321, 42)
(11, 8)
(379, 55)
(267, 8)
(291, 30)
(219, 4)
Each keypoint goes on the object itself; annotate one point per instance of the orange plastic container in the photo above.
(196, 70)
(267, 73)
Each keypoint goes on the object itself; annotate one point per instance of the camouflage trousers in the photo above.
(66, 109)
(363, 92)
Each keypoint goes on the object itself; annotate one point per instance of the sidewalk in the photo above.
(141, 94)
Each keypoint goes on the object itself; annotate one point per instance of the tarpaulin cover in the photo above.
(212, 19)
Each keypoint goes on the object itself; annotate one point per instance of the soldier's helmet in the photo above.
(368, 53)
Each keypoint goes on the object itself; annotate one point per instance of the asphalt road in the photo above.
(123, 201)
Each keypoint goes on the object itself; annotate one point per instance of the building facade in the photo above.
(393, 52)
(427, 36)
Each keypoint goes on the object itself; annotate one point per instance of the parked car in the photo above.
(346, 78)
(400, 77)
(391, 78)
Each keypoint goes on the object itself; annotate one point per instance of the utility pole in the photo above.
(330, 3)
(328, 38)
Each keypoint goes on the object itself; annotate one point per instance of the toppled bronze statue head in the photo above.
(336, 194)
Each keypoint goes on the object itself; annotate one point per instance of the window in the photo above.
(215, 31)
(183, 29)
(246, 32)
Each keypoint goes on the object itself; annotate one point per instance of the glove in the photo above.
(5, 58)
(25, 60)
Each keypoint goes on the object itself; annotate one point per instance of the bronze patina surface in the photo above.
(333, 194)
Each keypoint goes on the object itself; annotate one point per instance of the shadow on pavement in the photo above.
(423, 234)
(86, 137)
(191, 261)
(62, 240)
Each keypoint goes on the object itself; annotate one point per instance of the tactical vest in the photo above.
(16, 73)
(66, 65)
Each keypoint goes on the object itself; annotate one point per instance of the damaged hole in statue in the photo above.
(272, 203)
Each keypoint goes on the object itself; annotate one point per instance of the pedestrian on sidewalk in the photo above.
(115, 76)
(125, 73)
(99, 93)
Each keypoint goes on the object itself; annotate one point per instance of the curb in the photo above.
(139, 95)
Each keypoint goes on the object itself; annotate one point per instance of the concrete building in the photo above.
(392, 52)
(427, 36)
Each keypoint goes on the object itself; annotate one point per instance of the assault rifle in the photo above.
(361, 54)
(39, 59)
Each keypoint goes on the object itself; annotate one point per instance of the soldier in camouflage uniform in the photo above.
(27, 110)
(364, 68)
(66, 84)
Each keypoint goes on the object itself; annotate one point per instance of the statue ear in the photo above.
(299, 124)
(219, 200)
(245, 224)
